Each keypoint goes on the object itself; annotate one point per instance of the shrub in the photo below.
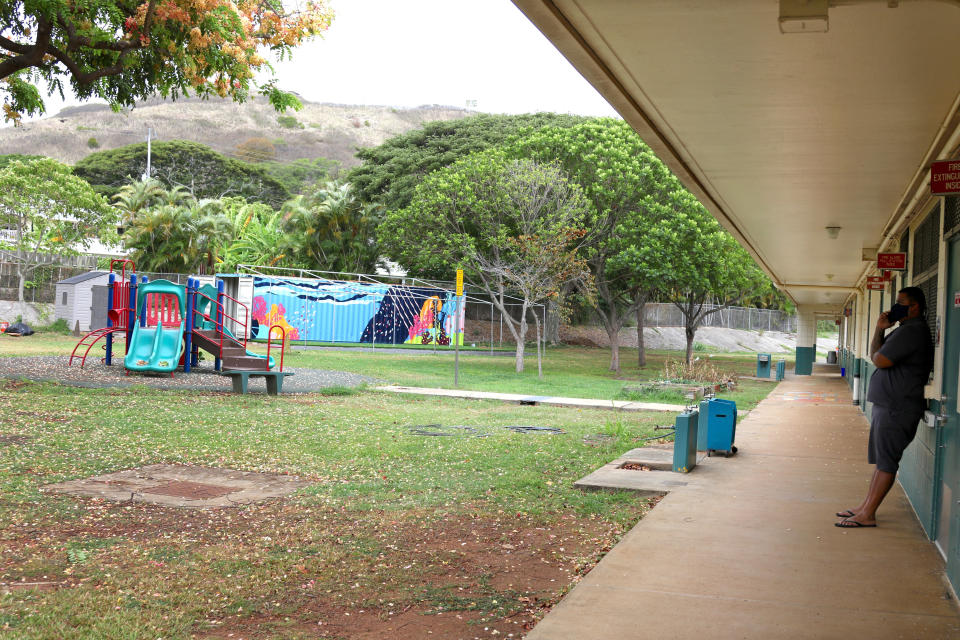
(696, 371)
(256, 150)
(93, 143)
(289, 122)
(58, 326)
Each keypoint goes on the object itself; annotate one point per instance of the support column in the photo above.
(806, 342)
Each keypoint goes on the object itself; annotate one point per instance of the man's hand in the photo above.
(883, 323)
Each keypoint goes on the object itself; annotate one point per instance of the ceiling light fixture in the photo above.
(833, 232)
(804, 16)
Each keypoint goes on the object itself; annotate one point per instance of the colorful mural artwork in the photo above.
(344, 311)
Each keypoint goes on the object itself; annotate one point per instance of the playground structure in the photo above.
(165, 325)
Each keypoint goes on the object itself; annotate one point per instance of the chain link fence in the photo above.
(668, 315)
(41, 285)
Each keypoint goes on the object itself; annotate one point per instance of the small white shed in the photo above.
(74, 297)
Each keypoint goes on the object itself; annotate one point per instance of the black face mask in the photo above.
(897, 312)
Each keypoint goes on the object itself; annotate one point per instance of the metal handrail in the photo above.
(220, 323)
(123, 266)
(246, 315)
(283, 344)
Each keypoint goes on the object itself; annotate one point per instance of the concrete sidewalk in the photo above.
(747, 549)
(557, 401)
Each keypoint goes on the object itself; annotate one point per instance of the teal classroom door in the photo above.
(947, 464)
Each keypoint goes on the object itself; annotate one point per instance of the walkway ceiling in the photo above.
(781, 135)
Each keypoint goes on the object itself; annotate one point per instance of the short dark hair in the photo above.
(916, 295)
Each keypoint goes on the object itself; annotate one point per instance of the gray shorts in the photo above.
(891, 431)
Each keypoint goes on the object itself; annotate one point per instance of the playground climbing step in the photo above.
(557, 401)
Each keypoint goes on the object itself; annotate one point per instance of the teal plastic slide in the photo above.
(205, 306)
(157, 348)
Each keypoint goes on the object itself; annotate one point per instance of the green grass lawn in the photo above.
(448, 534)
(579, 372)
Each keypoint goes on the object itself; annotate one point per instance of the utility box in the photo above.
(685, 442)
(763, 365)
(721, 427)
(781, 369)
(703, 425)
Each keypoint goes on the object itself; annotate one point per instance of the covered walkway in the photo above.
(748, 548)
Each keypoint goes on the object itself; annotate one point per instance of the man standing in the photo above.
(903, 360)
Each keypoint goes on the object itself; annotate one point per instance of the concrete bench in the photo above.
(241, 377)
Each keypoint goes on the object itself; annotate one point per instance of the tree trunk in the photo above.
(21, 286)
(551, 328)
(613, 334)
(522, 338)
(641, 350)
(536, 319)
(691, 331)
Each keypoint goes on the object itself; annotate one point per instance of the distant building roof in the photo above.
(83, 277)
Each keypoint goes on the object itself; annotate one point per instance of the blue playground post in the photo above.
(195, 351)
(143, 310)
(220, 287)
(109, 346)
(132, 314)
(188, 329)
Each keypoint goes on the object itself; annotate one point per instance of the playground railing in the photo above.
(283, 344)
(246, 316)
(222, 316)
(123, 262)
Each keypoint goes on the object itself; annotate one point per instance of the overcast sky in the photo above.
(413, 52)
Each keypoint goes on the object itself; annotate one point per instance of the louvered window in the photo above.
(951, 215)
(929, 288)
(926, 246)
(926, 257)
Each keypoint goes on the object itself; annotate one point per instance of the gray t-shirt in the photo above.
(910, 349)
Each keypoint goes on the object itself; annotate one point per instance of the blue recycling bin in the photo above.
(781, 369)
(763, 365)
(685, 442)
(721, 426)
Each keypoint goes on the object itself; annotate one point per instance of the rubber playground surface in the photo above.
(95, 374)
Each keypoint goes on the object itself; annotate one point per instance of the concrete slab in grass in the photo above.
(647, 470)
(183, 486)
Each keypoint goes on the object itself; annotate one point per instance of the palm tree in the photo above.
(136, 196)
(332, 230)
(259, 237)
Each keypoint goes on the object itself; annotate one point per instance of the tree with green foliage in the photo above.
(331, 229)
(197, 168)
(47, 211)
(15, 157)
(127, 51)
(390, 172)
(512, 225)
(708, 270)
(303, 174)
(179, 235)
(259, 236)
(623, 180)
(137, 195)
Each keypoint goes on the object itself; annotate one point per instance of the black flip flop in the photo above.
(852, 524)
(847, 513)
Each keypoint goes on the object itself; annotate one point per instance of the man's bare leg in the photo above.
(880, 485)
(857, 509)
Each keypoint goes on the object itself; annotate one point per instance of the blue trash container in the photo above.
(781, 369)
(721, 427)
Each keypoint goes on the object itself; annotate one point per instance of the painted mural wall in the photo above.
(342, 311)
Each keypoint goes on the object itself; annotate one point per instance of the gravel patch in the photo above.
(95, 374)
